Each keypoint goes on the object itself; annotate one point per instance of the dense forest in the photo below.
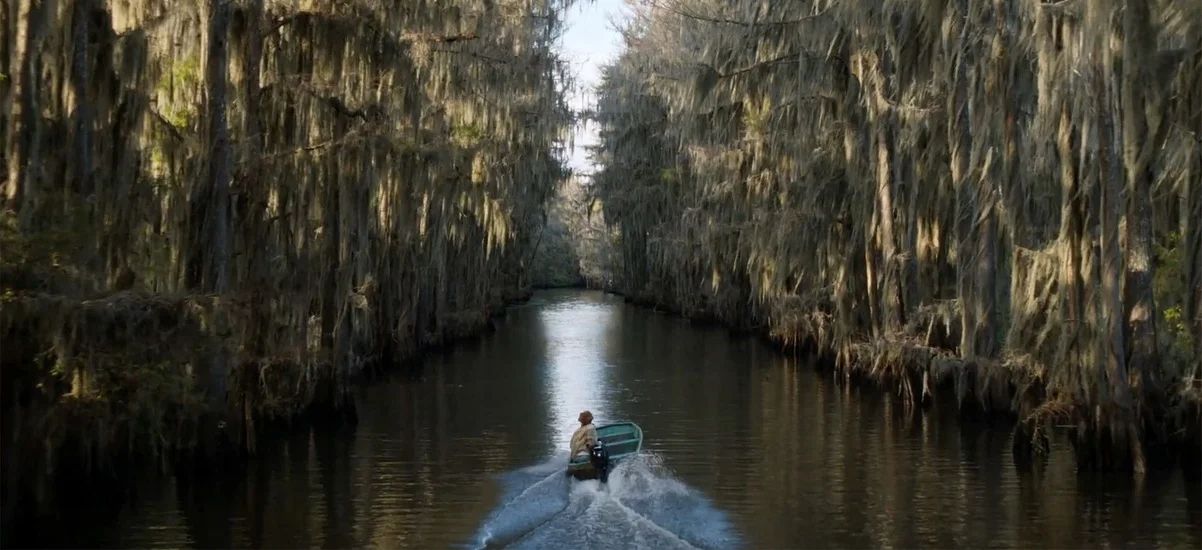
(217, 212)
(574, 247)
(1003, 197)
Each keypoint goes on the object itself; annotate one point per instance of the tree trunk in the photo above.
(252, 183)
(1139, 148)
(1071, 236)
(985, 276)
(1004, 67)
(216, 79)
(997, 179)
(961, 146)
(1124, 424)
(331, 238)
(893, 316)
(871, 249)
(255, 228)
(1191, 240)
(24, 133)
(1111, 189)
(216, 200)
(80, 65)
(853, 152)
(8, 34)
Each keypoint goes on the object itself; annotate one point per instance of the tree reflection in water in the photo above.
(754, 444)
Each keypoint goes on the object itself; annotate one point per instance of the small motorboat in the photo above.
(614, 442)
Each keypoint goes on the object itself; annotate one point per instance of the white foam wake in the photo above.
(643, 505)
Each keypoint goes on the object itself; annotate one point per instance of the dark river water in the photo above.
(745, 448)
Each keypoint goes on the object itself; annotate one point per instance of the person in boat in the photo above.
(585, 437)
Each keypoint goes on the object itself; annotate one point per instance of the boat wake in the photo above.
(643, 505)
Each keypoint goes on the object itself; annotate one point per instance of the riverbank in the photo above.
(789, 459)
(922, 367)
(95, 390)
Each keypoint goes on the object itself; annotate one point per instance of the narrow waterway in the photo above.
(744, 448)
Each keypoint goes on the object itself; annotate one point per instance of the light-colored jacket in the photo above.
(584, 438)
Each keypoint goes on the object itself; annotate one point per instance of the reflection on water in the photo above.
(576, 376)
(746, 448)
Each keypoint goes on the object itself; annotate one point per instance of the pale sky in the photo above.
(589, 42)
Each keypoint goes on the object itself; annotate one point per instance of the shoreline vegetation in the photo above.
(1002, 197)
(218, 214)
(920, 375)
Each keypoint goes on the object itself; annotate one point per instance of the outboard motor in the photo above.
(599, 457)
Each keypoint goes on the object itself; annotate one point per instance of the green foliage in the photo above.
(156, 402)
(755, 116)
(1169, 287)
(181, 117)
(183, 76)
(46, 256)
(578, 248)
(467, 136)
(555, 262)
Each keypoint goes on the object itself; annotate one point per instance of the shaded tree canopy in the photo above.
(373, 164)
(278, 192)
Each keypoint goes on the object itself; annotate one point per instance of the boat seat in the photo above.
(619, 442)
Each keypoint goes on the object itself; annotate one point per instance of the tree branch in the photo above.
(171, 128)
(723, 21)
(760, 65)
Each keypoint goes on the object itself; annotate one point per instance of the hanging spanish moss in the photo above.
(997, 197)
(216, 212)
